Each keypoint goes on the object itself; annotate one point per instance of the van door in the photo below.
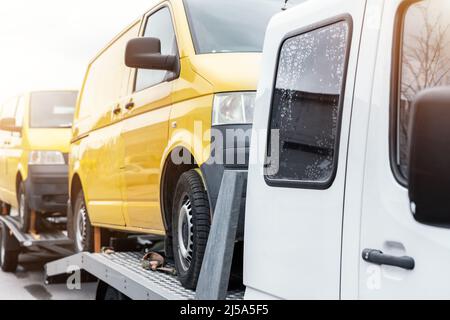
(99, 115)
(15, 151)
(3, 137)
(9, 111)
(145, 129)
(295, 201)
(423, 58)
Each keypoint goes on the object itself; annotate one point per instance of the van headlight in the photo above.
(46, 158)
(233, 108)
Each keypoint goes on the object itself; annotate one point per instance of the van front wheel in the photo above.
(191, 221)
(80, 226)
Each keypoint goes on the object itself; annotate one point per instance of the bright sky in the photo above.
(47, 44)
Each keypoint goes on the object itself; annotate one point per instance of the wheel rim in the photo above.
(185, 234)
(22, 207)
(80, 229)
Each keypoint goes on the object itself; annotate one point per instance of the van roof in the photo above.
(301, 8)
(56, 90)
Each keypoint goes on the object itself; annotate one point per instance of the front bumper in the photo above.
(47, 188)
(234, 154)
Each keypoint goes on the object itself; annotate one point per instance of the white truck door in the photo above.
(295, 198)
(421, 59)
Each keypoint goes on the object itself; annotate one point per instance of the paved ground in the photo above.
(28, 284)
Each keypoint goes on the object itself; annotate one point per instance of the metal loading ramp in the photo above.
(123, 271)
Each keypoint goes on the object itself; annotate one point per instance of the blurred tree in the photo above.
(425, 62)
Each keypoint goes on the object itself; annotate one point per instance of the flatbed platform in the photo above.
(123, 271)
(45, 239)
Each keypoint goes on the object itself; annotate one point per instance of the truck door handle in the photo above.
(379, 258)
(129, 105)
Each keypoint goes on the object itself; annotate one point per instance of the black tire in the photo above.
(191, 222)
(107, 293)
(24, 209)
(79, 226)
(9, 250)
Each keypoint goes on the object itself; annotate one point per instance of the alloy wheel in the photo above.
(185, 233)
(81, 229)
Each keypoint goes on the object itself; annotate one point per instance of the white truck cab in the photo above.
(349, 179)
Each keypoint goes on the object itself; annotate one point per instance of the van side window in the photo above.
(425, 62)
(106, 80)
(20, 113)
(307, 105)
(159, 25)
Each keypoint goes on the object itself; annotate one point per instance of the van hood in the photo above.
(229, 71)
(50, 139)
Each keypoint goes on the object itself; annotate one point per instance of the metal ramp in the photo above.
(123, 271)
(52, 240)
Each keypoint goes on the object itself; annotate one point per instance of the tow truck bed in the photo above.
(123, 271)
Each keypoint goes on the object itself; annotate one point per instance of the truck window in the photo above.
(52, 109)
(107, 79)
(222, 26)
(307, 105)
(425, 62)
(159, 25)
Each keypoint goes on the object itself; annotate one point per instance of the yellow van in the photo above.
(150, 99)
(35, 133)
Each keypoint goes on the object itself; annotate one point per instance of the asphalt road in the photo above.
(28, 283)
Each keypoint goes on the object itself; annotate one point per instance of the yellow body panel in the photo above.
(120, 158)
(15, 149)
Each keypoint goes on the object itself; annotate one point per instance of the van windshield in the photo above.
(52, 109)
(221, 26)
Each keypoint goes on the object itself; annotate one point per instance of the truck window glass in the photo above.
(159, 25)
(52, 109)
(307, 104)
(223, 26)
(425, 61)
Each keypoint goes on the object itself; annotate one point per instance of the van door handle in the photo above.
(129, 105)
(379, 258)
(117, 109)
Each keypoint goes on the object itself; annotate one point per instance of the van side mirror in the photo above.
(9, 124)
(145, 53)
(429, 157)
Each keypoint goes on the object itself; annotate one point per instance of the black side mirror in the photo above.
(145, 53)
(9, 124)
(429, 157)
